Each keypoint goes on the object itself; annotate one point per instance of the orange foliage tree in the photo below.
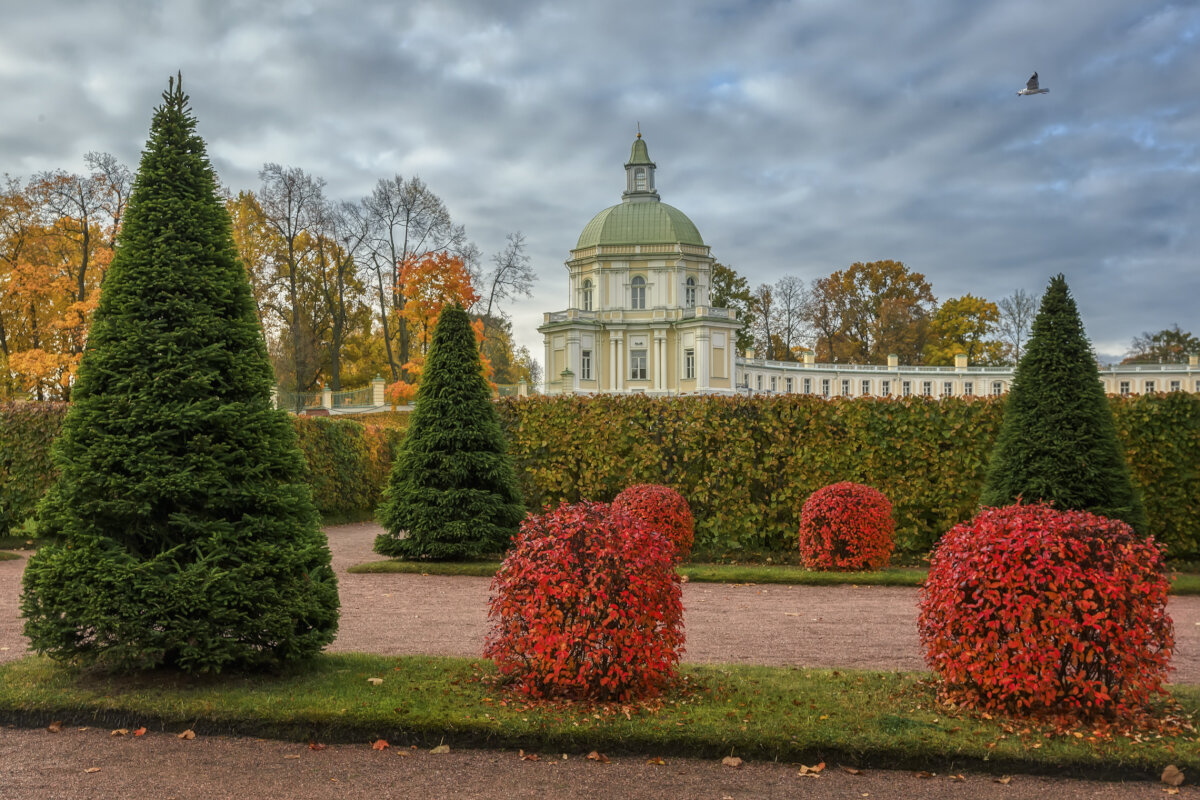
(431, 282)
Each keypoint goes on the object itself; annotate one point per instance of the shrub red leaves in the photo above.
(664, 510)
(587, 605)
(846, 526)
(1030, 611)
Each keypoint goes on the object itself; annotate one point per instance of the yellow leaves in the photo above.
(733, 762)
(441, 749)
(188, 734)
(374, 681)
(380, 744)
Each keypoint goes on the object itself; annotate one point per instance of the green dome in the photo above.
(640, 223)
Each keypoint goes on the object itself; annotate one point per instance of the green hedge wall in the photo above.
(348, 462)
(747, 465)
(26, 432)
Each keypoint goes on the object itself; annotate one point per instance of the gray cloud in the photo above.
(799, 136)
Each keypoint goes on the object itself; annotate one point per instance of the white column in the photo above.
(660, 360)
(731, 354)
(612, 363)
(620, 386)
(573, 359)
(702, 350)
(547, 366)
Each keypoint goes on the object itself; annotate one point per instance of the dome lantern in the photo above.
(639, 174)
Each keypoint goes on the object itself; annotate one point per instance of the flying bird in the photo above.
(1031, 87)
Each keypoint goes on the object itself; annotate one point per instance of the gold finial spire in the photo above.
(639, 129)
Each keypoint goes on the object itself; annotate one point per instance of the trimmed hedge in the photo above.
(26, 432)
(746, 465)
(348, 462)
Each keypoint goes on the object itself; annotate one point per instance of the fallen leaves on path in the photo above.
(188, 734)
(850, 770)
(380, 744)
(732, 762)
(140, 732)
(441, 749)
(598, 757)
(55, 727)
(120, 732)
(91, 770)
(811, 772)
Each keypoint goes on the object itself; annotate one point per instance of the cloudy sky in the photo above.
(800, 137)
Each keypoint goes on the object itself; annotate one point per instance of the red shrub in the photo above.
(587, 605)
(846, 526)
(665, 510)
(1031, 611)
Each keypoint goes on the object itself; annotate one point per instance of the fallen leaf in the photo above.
(1172, 775)
(1170, 790)
(812, 770)
(140, 732)
(315, 746)
(529, 756)
(120, 732)
(90, 770)
(291, 756)
(441, 749)
(958, 779)
(851, 770)
(732, 761)
(374, 681)
(594, 756)
(1007, 779)
(923, 774)
(403, 753)
(55, 727)
(188, 734)
(657, 761)
(380, 744)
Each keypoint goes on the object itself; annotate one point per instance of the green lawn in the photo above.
(877, 719)
(1182, 583)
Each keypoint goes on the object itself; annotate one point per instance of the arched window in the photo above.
(638, 293)
(690, 293)
(639, 179)
(587, 295)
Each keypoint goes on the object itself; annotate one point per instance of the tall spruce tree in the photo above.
(1058, 442)
(184, 534)
(452, 492)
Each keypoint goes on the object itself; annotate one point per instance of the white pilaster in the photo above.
(703, 348)
(573, 362)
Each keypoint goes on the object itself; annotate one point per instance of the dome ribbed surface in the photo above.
(640, 223)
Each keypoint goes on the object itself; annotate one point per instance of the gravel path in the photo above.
(38, 765)
(863, 627)
(853, 627)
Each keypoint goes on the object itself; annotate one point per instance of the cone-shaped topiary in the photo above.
(452, 493)
(184, 534)
(1057, 443)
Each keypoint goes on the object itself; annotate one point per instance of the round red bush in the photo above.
(1029, 611)
(665, 510)
(846, 526)
(587, 605)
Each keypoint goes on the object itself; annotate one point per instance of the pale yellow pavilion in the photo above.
(639, 318)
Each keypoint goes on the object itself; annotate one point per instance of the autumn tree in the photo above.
(1168, 346)
(453, 493)
(408, 222)
(731, 290)
(964, 325)
(181, 530)
(1058, 442)
(869, 311)
(762, 307)
(291, 202)
(1016, 315)
(789, 295)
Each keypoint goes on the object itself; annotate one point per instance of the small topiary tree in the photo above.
(184, 533)
(587, 605)
(846, 526)
(1030, 611)
(664, 510)
(452, 493)
(1058, 443)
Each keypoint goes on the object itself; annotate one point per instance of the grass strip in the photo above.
(1181, 583)
(7, 556)
(865, 719)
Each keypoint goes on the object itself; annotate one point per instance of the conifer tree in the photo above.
(1057, 442)
(184, 533)
(452, 492)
